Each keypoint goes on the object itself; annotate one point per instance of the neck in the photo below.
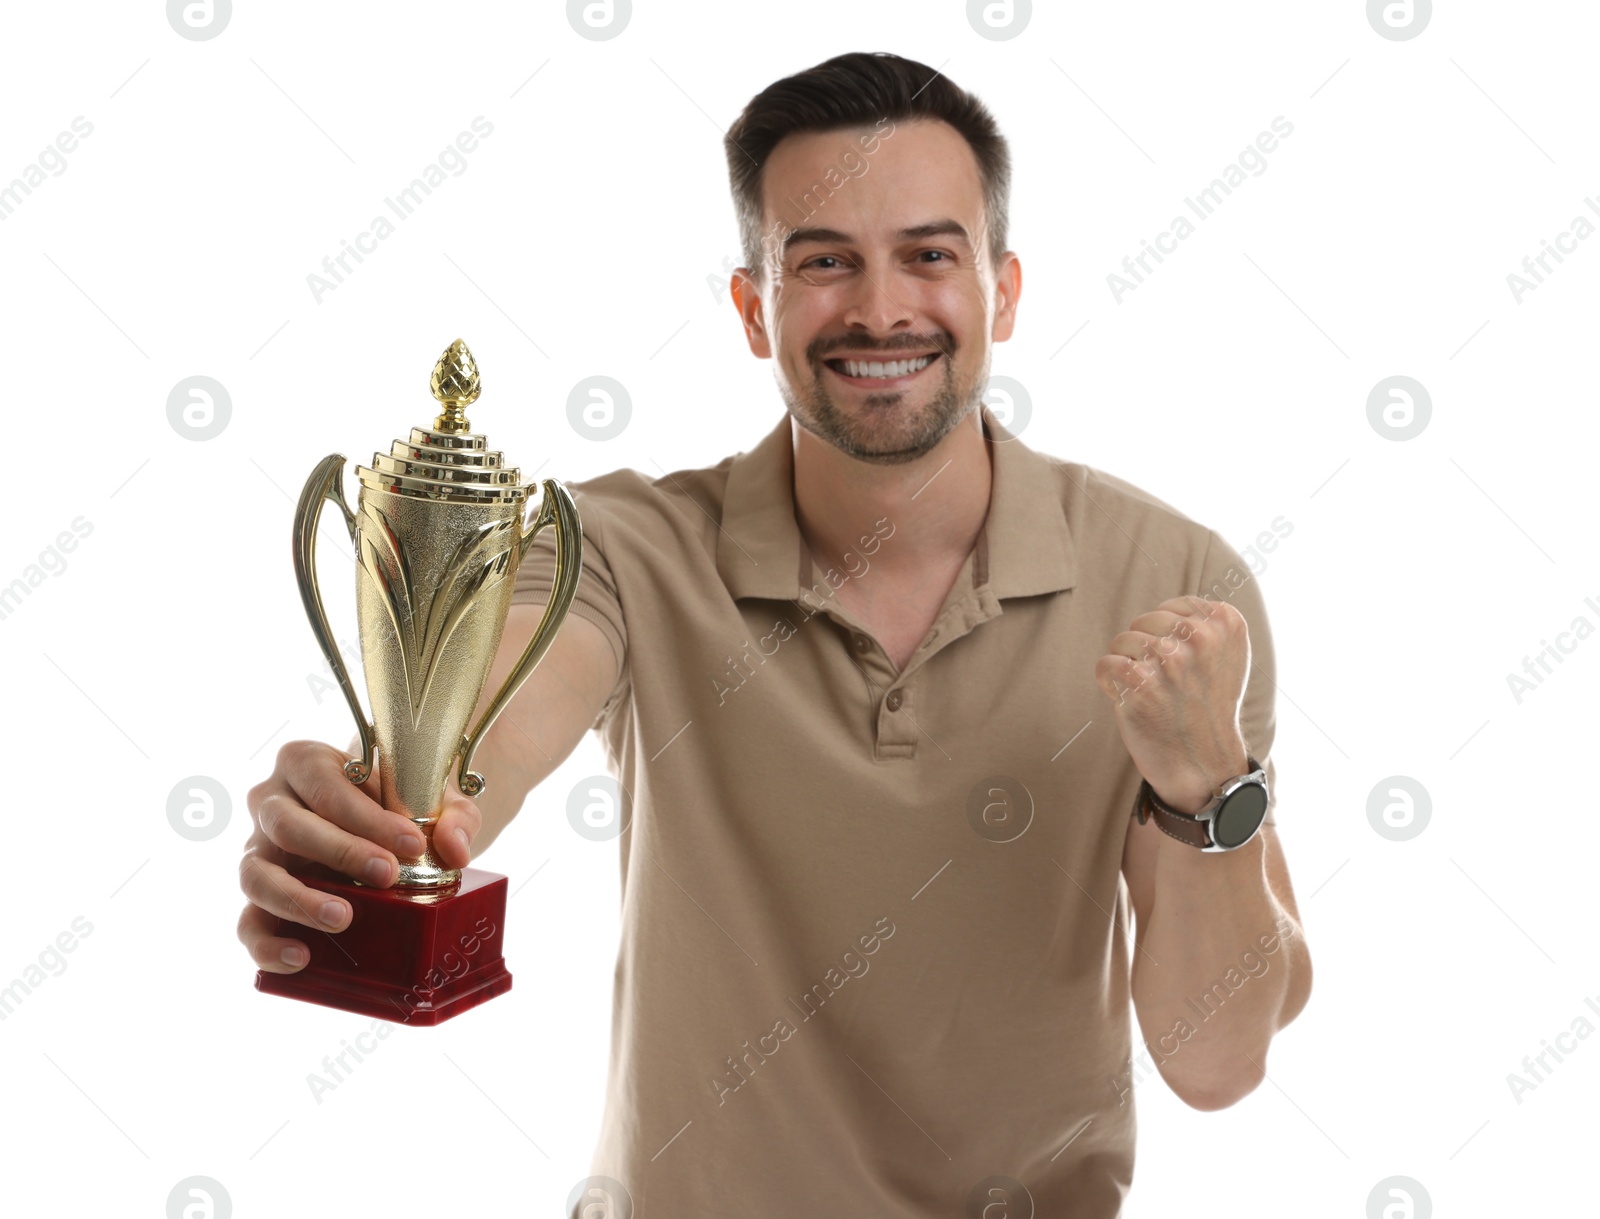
(934, 507)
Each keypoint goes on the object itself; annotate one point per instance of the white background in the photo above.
(585, 238)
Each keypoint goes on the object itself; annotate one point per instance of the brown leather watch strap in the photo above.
(1185, 827)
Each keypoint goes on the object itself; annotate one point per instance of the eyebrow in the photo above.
(917, 232)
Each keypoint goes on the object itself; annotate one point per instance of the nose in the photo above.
(876, 305)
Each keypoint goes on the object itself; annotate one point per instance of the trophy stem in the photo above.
(426, 871)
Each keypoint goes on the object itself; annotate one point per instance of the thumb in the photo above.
(459, 824)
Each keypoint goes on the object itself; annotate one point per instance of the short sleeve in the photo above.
(1226, 576)
(596, 596)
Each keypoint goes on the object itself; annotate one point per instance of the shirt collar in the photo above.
(1025, 547)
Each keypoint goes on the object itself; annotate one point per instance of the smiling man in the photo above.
(914, 726)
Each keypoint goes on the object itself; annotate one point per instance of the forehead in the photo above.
(917, 168)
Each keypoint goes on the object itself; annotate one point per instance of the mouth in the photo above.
(879, 374)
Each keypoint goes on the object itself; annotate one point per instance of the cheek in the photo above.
(956, 305)
(795, 320)
(969, 306)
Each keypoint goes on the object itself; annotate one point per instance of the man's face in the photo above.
(888, 266)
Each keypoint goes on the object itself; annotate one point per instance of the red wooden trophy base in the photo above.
(412, 956)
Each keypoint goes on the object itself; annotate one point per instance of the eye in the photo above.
(941, 253)
(821, 258)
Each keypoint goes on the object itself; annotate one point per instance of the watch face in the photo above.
(1240, 815)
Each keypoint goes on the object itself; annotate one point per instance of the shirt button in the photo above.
(893, 701)
(862, 643)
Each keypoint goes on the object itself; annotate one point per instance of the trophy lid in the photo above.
(456, 385)
(447, 461)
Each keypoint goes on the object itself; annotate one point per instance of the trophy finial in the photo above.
(455, 385)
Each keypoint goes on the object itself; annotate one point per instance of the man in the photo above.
(880, 694)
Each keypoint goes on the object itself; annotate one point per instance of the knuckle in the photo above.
(1224, 612)
(257, 794)
(307, 903)
(270, 816)
(467, 813)
(247, 929)
(253, 881)
(311, 766)
(329, 792)
(351, 857)
(319, 794)
(256, 935)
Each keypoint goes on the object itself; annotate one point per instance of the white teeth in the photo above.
(900, 368)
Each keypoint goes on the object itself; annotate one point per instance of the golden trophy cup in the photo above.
(438, 533)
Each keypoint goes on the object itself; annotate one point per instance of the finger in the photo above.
(1164, 624)
(1118, 676)
(276, 891)
(271, 952)
(314, 772)
(1139, 645)
(300, 831)
(1191, 605)
(459, 824)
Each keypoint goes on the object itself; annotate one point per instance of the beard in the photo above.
(886, 429)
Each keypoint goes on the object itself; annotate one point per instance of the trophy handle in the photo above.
(324, 485)
(556, 507)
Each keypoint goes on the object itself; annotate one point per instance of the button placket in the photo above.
(897, 734)
(897, 731)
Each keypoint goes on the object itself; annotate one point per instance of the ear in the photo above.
(1007, 290)
(747, 300)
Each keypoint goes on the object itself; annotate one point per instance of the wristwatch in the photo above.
(1230, 820)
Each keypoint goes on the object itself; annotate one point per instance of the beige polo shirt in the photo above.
(875, 946)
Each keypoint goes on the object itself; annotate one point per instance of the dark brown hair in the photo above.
(859, 89)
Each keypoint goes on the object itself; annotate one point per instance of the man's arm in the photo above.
(1203, 921)
(542, 725)
(1220, 961)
